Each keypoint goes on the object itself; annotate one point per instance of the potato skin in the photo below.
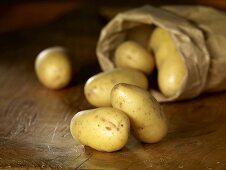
(170, 77)
(130, 54)
(170, 66)
(53, 68)
(147, 119)
(104, 129)
(98, 88)
(140, 34)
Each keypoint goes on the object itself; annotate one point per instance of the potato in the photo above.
(147, 119)
(171, 68)
(98, 88)
(130, 54)
(53, 68)
(104, 129)
(170, 77)
(140, 34)
(159, 37)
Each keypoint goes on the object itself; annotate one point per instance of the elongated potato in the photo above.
(53, 68)
(170, 66)
(98, 88)
(104, 129)
(147, 119)
(130, 54)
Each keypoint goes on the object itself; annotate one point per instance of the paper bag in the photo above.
(199, 34)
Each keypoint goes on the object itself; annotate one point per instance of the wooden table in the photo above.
(34, 121)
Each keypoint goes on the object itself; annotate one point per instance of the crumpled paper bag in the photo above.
(200, 36)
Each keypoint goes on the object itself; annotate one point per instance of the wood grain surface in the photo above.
(34, 121)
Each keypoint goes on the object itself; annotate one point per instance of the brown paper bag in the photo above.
(200, 36)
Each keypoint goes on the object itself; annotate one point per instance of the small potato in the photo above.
(140, 34)
(53, 68)
(147, 119)
(104, 129)
(171, 68)
(98, 88)
(130, 54)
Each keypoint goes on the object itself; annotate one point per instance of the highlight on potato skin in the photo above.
(53, 68)
(104, 129)
(98, 87)
(148, 122)
(130, 54)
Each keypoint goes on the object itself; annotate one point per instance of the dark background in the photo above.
(20, 14)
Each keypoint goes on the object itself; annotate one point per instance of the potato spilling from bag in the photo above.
(98, 88)
(170, 66)
(130, 54)
(147, 119)
(53, 68)
(104, 129)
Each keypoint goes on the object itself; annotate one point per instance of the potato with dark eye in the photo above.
(53, 68)
(104, 129)
(147, 119)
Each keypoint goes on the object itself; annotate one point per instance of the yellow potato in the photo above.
(98, 88)
(53, 68)
(159, 38)
(140, 34)
(130, 54)
(147, 119)
(170, 77)
(170, 65)
(167, 52)
(104, 129)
